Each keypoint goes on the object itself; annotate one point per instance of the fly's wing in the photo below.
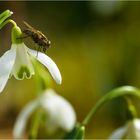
(28, 26)
(42, 36)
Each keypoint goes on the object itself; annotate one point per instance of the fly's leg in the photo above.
(44, 49)
(36, 46)
(39, 47)
(22, 37)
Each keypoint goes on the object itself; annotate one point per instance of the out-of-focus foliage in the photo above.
(95, 44)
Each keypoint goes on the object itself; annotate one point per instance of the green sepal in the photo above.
(16, 35)
(78, 132)
(5, 15)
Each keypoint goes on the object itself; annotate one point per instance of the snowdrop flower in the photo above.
(60, 113)
(131, 130)
(17, 61)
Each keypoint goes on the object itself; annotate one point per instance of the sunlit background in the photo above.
(96, 46)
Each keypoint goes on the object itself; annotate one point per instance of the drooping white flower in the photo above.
(60, 113)
(131, 130)
(17, 61)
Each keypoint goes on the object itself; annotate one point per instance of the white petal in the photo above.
(6, 64)
(21, 122)
(60, 112)
(133, 129)
(23, 66)
(137, 127)
(48, 62)
(118, 133)
(130, 131)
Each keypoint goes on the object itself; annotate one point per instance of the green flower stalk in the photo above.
(121, 91)
(5, 15)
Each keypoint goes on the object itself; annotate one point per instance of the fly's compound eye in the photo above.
(49, 42)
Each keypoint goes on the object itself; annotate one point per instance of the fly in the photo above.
(37, 36)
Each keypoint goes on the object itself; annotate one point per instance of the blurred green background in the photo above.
(96, 45)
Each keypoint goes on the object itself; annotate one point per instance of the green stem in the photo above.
(121, 91)
(42, 82)
(43, 79)
(5, 15)
(35, 125)
(131, 108)
(8, 21)
(6, 12)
